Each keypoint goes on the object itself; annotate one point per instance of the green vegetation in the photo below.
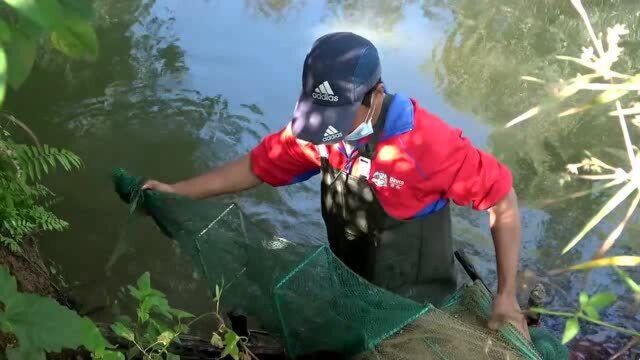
(25, 23)
(23, 26)
(597, 83)
(23, 199)
(158, 325)
(40, 324)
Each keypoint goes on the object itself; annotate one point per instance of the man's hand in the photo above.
(158, 186)
(505, 309)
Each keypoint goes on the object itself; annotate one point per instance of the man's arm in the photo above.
(504, 219)
(233, 177)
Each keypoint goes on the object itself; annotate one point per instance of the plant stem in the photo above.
(152, 345)
(144, 353)
(198, 318)
(586, 318)
(627, 140)
(583, 13)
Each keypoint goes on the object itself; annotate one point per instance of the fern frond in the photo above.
(36, 161)
(12, 244)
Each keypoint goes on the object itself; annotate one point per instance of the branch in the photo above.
(586, 318)
(583, 13)
(627, 139)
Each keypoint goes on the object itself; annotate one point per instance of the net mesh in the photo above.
(312, 301)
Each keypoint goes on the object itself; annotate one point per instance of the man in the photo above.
(389, 169)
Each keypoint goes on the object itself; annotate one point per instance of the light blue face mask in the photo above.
(363, 130)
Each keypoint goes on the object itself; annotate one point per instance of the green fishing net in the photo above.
(308, 298)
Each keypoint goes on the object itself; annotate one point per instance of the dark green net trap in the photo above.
(308, 298)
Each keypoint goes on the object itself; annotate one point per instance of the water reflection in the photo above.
(478, 68)
(175, 93)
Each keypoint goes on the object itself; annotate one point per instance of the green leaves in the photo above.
(180, 314)
(231, 345)
(124, 332)
(216, 341)
(41, 324)
(21, 54)
(571, 329)
(602, 300)
(46, 13)
(152, 335)
(622, 260)
(591, 306)
(68, 23)
(36, 161)
(76, 39)
(619, 197)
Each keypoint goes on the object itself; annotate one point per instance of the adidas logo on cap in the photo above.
(331, 133)
(324, 92)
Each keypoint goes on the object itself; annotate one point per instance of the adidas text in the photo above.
(325, 97)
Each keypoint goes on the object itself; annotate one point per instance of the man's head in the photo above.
(341, 88)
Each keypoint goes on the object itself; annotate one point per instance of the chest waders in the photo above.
(411, 258)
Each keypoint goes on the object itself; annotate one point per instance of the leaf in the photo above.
(46, 13)
(113, 355)
(602, 300)
(591, 312)
(615, 200)
(182, 328)
(124, 332)
(77, 39)
(217, 293)
(571, 329)
(180, 314)
(144, 282)
(8, 286)
(529, 113)
(166, 337)
(42, 323)
(5, 31)
(157, 304)
(22, 353)
(171, 356)
(216, 341)
(3, 75)
(21, 54)
(610, 95)
(231, 345)
(143, 314)
(583, 298)
(135, 292)
(623, 260)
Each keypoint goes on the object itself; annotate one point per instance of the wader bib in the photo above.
(411, 258)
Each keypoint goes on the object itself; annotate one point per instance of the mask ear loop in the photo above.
(372, 110)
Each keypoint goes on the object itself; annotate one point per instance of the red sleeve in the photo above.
(480, 179)
(281, 159)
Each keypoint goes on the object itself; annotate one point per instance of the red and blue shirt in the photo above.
(420, 164)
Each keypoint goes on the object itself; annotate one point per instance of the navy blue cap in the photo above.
(338, 71)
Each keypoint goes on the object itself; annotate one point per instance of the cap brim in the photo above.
(322, 124)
